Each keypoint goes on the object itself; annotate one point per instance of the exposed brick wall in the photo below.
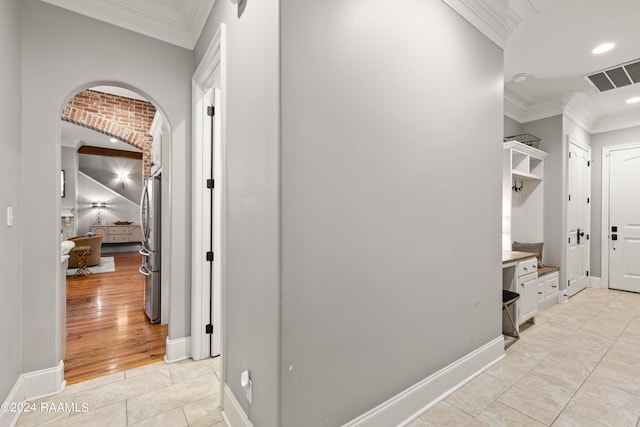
(127, 119)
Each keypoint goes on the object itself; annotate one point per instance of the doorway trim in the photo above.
(604, 239)
(167, 201)
(213, 61)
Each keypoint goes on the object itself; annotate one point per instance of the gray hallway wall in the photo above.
(10, 195)
(391, 200)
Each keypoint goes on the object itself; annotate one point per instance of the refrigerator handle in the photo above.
(144, 213)
(143, 270)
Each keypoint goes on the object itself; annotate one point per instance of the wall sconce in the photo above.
(98, 206)
(123, 176)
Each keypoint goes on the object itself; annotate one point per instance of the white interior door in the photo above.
(212, 225)
(208, 153)
(578, 218)
(216, 227)
(624, 219)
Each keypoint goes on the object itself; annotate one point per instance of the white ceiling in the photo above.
(555, 50)
(177, 22)
(551, 42)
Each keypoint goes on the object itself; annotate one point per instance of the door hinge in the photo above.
(587, 237)
(588, 163)
(210, 184)
(569, 197)
(568, 283)
(209, 256)
(208, 329)
(588, 200)
(569, 154)
(211, 111)
(587, 273)
(569, 240)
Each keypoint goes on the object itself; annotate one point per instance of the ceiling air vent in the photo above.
(619, 76)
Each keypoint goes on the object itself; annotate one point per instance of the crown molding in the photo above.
(581, 109)
(175, 22)
(622, 121)
(577, 107)
(496, 19)
(514, 108)
(523, 112)
(196, 18)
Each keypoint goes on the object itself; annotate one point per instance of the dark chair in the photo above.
(509, 298)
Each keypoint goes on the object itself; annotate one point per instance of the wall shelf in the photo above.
(522, 210)
(526, 162)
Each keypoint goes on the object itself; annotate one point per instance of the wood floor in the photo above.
(107, 329)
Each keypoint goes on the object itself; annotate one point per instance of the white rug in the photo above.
(107, 265)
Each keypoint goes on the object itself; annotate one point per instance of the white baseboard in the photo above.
(406, 406)
(595, 282)
(178, 349)
(232, 411)
(31, 386)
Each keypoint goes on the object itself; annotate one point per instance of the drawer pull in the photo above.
(553, 286)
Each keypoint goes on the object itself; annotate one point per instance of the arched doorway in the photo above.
(114, 137)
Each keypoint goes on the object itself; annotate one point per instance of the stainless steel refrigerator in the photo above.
(150, 268)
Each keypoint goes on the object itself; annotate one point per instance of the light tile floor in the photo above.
(579, 365)
(185, 393)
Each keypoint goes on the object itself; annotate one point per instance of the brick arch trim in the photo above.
(119, 117)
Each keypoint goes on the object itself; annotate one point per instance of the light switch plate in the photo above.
(10, 216)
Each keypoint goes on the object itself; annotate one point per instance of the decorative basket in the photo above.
(525, 138)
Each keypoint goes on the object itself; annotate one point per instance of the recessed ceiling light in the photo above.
(113, 140)
(633, 100)
(518, 78)
(605, 47)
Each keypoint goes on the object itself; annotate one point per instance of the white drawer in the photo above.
(552, 285)
(527, 266)
(118, 238)
(120, 229)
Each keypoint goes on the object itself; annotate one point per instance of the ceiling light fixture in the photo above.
(519, 78)
(633, 100)
(113, 139)
(605, 47)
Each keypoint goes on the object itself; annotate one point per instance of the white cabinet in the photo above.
(548, 287)
(158, 131)
(541, 293)
(521, 276)
(528, 285)
(118, 233)
(552, 285)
